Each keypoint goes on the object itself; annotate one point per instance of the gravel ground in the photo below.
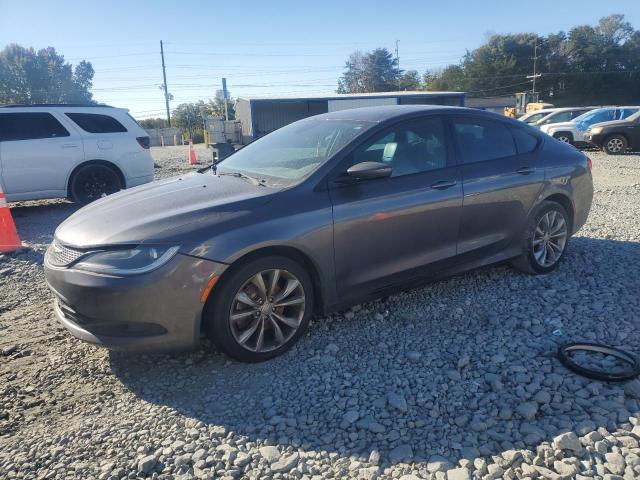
(454, 380)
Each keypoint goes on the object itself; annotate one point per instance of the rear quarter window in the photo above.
(525, 141)
(96, 123)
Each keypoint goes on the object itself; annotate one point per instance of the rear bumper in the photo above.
(159, 311)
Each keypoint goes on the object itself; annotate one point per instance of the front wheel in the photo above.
(564, 137)
(261, 310)
(615, 145)
(92, 182)
(545, 240)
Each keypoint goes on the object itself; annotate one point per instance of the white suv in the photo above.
(82, 152)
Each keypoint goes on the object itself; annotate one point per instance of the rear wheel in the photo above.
(92, 182)
(261, 310)
(545, 240)
(615, 145)
(564, 137)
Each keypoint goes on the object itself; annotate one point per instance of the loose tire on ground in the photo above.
(229, 318)
(615, 145)
(94, 181)
(529, 261)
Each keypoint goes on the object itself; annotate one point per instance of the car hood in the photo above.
(611, 123)
(164, 211)
(553, 126)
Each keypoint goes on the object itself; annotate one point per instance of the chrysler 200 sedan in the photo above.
(322, 213)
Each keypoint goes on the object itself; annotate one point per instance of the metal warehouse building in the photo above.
(261, 115)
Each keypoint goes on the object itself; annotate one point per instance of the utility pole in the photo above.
(535, 63)
(398, 62)
(224, 96)
(164, 78)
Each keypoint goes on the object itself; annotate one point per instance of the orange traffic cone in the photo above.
(9, 239)
(193, 159)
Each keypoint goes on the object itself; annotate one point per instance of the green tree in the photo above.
(588, 65)
(189, 117)
(410, 80)
(151, 123)
(215, 106)
(375, 71)
(27, 76)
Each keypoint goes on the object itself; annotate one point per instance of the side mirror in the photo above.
(365, 171)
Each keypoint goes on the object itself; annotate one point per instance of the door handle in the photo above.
(525, 170)
(443, 184)
(69, 145)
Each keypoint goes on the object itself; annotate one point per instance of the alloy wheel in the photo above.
(615, 145)
(563, 139)
(549, 238)
(267, 310)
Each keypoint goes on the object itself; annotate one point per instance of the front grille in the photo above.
(59, 255)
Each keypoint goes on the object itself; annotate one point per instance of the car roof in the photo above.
(384, 113)
(54, 105)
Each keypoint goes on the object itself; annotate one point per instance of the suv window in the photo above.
(30, 126)
(577, 113)
(560, 117)
(411, 147)
(481, 140)
(96, 123)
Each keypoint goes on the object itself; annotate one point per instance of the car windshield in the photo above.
(534, 117)
(585, 120)
(292, 153)
(635, 117)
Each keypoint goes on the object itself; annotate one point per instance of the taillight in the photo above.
(589, 164)
(144, 142)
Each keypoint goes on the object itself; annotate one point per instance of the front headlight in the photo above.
(129, 261)
(595, 130)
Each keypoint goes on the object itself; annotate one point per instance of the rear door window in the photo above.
(30, 126)
(96, 123)
(480, 139)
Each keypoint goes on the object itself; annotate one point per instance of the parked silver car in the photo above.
(325, 212)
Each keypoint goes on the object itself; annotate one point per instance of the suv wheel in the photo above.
(615, 145)
(261, 310)
(92, 182)
(564, 137)
(545, 240)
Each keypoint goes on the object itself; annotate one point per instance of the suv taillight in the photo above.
(589, 164)
(144, 142)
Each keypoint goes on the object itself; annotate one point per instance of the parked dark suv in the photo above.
(325, 212)
(616, 137)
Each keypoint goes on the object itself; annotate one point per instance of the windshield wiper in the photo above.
(253, 180)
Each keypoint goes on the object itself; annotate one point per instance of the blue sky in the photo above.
(267, 47)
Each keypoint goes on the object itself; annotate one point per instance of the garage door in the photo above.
(346, 103)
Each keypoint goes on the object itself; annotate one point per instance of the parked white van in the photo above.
(82, 152)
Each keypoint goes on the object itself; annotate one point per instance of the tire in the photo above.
(533, 260)
(564, 137)
(615, 145)
(92, 182)
(266, 318)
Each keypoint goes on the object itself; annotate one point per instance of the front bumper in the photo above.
(157, 311)
(594, 139)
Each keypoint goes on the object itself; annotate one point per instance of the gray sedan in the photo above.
(323, 213)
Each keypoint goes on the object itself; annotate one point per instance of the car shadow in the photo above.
(427, 372)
